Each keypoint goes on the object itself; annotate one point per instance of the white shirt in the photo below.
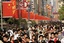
(1, 41)
(62, 40)
(11, 32)
(16, 36)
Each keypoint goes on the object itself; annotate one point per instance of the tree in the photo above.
(10, 21)
(61, 12)
(33, 22)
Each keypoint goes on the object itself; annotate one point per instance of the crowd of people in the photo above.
(33, 34)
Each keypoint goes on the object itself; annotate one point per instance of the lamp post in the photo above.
(29, 9)
(28, 12)
(19, 13)
(29, 22)
(1, 17)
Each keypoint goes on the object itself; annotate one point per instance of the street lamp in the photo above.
(1, 17)
(29, 9)
(19, 13)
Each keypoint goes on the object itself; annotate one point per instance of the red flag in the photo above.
(13, 6)
(16, 16)
(7, 9)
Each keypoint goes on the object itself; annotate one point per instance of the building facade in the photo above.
(55, 9)
(37, 6)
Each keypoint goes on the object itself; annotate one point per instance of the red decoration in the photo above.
(24, 14)
(7, 9)
(32, 16)
(16, 16)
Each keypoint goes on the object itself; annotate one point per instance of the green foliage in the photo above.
(61, 12)
(61, 16)
(23, 20)
(15, 21)
(33, 23)
(10, 21)
(18, 22)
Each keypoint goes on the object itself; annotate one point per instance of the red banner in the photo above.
(24, 14)
(16, 16)
(13, 6)
(32, 15)
(7, 9)
(38, 17)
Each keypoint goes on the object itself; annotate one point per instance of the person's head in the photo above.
(59, 32)
(19, 39)
(25, 30)
(51, 41)
(56, 34)
(40, 32)
(15, 32)
(33, 37)
(41, 37)
(5, 38)
(27, 39)
(52, 35)
(16, 41)
(19, 31)
(25, 35)
(58, 41)
(46, 35)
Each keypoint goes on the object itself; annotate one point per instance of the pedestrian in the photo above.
(41, 39)
(5, 39)
(51, 41)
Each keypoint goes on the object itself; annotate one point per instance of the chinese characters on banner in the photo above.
(13, 6)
